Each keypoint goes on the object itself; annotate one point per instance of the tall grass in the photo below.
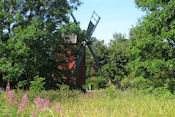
(130, 103)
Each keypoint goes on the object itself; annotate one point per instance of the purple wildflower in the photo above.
(8, 87)
(47, 102)
(18, 112)
(58, 108)
(22, 105)
(38, 101)
(25, 98)
(11, 95)
(41, 101)
(44, 107)
(16, 103)
(9, 100)
(34, 114)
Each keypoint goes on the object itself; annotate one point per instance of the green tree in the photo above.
(30, 35)
(100, 50)
(117, 57)
(152, 52)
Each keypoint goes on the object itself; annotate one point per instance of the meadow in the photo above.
(102, 103)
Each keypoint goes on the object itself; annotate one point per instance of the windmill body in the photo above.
(78, 64)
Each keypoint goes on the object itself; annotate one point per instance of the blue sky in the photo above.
(116, 16)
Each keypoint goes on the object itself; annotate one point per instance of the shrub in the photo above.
(96, 82)
(37, 84)
(63, 87)
(141, 83)
(126, 82)
(162, 92)
(138, 82)
(111, 91)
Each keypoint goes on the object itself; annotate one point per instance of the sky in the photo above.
(117, 16)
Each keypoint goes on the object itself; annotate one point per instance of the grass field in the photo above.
(130, 103)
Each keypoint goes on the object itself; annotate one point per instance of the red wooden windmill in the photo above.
(78, 64)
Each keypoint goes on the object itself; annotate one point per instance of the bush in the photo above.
(111, 91)
(163, 92)
(37, 84)
(141, 83)
(137, 82)
(64, 87)
(126, 82)
(96, 82)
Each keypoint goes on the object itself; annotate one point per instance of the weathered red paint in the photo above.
(69, 65)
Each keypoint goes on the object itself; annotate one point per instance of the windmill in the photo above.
(79, 64)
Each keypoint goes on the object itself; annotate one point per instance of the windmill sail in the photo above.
(89, 30)
(92, 25)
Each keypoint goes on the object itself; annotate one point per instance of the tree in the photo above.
(30, 35)
(117, 57)
(152, 51)
(100, 50)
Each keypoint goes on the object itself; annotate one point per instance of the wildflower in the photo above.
(38, 101)
(58, 108)
(8, 87)
(34, 114)
(16, 103)
(44, 107)
(47, 102)
(11, 96)
(25, 98)
(41, 101)
(17, 113)
(22, 105)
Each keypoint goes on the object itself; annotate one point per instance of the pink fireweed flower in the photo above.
(39, 102)
(16, 103)
(44, 107)
(18, 112)
(25, 98)
(10, 94)
(22, 106)
(47, 102)
(9, 100)
(34, 114)
(36, 100)
(57, 108)
(8, 87)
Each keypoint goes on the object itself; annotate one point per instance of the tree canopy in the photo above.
(152, 50)
(30, 35)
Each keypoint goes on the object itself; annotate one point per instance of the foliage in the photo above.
(113, 58)
(30, 35)
(117, 58)
(37, 84)
(96, 82)
(100, 50)
(64, 87)
(152, 50)
(111, 91)
(141, 83)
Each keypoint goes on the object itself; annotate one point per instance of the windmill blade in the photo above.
(96, 60)
(92, 25)
(78, 61)
(73, 17)
(94, 55)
